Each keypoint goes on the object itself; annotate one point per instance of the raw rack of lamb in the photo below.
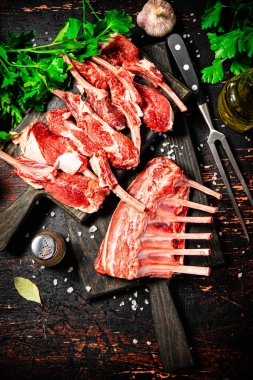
(152, 243)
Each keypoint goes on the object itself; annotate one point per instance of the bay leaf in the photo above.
(27, 289)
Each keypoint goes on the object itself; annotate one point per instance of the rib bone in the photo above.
(203, 188)
(163, 270)
(183, 202)
(184, 219)
(154, 252)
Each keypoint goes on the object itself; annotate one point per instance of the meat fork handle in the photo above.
(174, 350)
(182, 58)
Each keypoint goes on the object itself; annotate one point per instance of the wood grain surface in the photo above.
(112, 338)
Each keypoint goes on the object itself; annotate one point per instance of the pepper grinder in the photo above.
(48, 248)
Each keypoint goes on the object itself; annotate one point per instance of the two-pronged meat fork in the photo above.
(182, 58)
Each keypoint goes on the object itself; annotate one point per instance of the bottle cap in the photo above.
(48, 248)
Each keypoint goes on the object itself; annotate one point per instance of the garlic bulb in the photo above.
(157, 18)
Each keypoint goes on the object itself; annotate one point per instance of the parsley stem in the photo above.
(84, 12)
(3, 64)
(92, 10)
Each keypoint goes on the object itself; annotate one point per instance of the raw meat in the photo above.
(152, 244)
(76, 190)
(157, 112)
(39, 144)
(124, 97)
(101, 105)
(120, 150)
(121, 51)
(60, 124)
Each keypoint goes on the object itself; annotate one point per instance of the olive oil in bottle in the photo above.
(235, 102)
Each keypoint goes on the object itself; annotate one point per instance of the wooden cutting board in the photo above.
(173, 346)
(174, 350)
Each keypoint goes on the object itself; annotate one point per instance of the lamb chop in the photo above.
(152, 244)
(157, 112)
(121, 51)
(120, 150)
(101, 103)
(80, 191)
(120, 96)
(60, 125)
(37, 143)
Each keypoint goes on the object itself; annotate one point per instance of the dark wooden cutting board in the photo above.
(174, 350)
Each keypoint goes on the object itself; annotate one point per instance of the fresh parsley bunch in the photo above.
(28, 73)
(231, 39)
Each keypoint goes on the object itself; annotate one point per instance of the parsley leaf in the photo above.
(213, 73)
(231, 36)
(212, 15)
(29, 73)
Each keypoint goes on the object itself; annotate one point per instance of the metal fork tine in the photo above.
(226, 182)
(236, 168)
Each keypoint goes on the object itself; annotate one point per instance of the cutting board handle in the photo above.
(173, 345)
(11, 218)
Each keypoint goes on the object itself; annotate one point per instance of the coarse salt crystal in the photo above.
(37, 203)
(67, 239)
(194, 20)
(122, 303)
(162, 150)
(152, 148)
(240, 275)
(33, 261)
(52, 213)
(43, 227)
(134, 302)
(42, 267)
(92, 236)
(114, 297)
(130, 298)
(148, 343)
(135, 341)
(70, 289)
(146, 290)
(220, 233)
(141, 308)
(136, 294)
(170, 151)
(79, 233)
(184, 36)
(55, 282)
(70, 269)
(65, 279)
(88, 288)
(146, 302)
(93, 229)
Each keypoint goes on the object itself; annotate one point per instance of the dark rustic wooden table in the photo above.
(69, 337)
